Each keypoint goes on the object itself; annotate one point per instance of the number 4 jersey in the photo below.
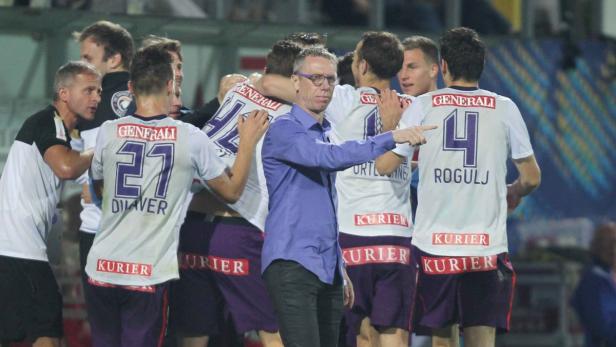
(222, 129)
(147, 166)
(462, 191)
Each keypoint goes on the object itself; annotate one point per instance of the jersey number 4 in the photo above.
(134, 168)
(466, 143)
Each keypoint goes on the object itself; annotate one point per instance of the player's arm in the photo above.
(278, 86)
(288, 142)
(528, 180)
(391, 108)
(66, 163)
(230, 185)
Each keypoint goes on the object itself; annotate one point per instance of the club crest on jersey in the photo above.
(120, 102)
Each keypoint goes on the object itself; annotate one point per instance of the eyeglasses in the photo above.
(317, 79)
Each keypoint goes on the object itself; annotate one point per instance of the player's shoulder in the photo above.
(41, 117)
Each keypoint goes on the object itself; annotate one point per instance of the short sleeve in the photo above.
(412, 116)
(96, 168)
(341, 103)
(46, 132)
(517, 133)
(203, 154)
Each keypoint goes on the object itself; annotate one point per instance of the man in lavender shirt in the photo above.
(301, 259)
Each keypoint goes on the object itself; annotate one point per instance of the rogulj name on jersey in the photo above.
(368, 169)
(461, 176)
(147, 205)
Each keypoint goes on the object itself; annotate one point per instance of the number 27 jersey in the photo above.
(147, 165)
(462, 207)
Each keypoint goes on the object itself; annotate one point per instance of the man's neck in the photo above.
(121, 69)
(373, 82)
(317, 116)
(69, 118)
(151, 105)
(463, 83)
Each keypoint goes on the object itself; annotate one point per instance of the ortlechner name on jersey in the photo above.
(368, 169)
(148, 133)
(485, 101)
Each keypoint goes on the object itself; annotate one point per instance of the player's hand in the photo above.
(513, 198)
(349, 293)
(252, 127)
(413, 135)
(227, 82)
(391, 107)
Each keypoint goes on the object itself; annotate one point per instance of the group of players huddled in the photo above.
(175, 201)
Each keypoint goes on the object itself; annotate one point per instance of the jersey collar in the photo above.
(160, 116)
(466, 89)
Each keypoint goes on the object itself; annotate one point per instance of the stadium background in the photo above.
(555, 59)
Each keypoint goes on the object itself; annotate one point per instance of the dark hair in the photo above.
(67, 72)
(169, 45)
(427, 46)
(281, 57)
(150, 71)
(305, 40)
(383, 52)
(464, 53)
(345, 73)
(113, 37)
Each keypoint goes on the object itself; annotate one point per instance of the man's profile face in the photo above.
(417, 73)
(83, 95)
(310, 96)
(93, 53)
(176, 64)
(176, 103)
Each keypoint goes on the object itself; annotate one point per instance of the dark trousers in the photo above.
(309, 311)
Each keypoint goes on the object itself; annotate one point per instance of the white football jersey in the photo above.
(147, 166)
(462, 190)
(369, 204)
(90, 214)
(222, 130)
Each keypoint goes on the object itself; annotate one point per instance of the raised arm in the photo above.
(278, 86)
(287, 141)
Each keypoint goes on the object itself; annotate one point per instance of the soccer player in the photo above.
(109, 47)
(459, 241)
(420, 66)
(145, 163)
(374, 212)
(301, 260)
(38, 161)
(234, 238)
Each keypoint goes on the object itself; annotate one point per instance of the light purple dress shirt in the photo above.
(300, 169)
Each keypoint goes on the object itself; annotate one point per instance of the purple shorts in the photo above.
(469, 290)
(127, 316)
(235, 262)
(196, 306)
(379, 268)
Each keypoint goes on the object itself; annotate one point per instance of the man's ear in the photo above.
(114, 62)
(363, 67)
